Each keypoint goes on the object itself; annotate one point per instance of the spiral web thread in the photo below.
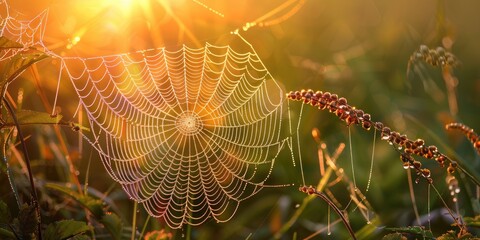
(189, 133)
(29, 33)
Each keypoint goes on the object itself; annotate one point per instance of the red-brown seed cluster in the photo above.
(468, 132)
(410, 162)
(309, 190)
(334, 104)
(349, 114)
(434, 57)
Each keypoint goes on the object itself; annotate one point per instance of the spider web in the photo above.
(187, 132)
(29, 33)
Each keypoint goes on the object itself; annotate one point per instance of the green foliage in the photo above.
(110, 220)
(24, 225)
(67, 229)
(5, 219)
(472, 222)
(113, 224)
(95, 206)
(415, 230)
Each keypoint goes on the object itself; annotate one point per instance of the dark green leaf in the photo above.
(6, 43)
(95, 206)
(113, 224)
(111, 221)
(5, 215)
(19, 63)
(26, 117)
(414, 230)
(65, 229)
(6, 234)
(394, 236)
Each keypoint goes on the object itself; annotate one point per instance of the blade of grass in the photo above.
(134, 221)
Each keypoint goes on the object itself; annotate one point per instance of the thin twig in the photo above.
(27, 160)
(312, 191)
(455, 219)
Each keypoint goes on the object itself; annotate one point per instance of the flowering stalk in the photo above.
(351, 115)
(468, 132)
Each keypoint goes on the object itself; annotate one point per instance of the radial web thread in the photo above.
(189, 133)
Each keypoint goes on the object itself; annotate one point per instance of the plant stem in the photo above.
(144, 227)
(337, 210)
(303, 206)
(189, 231)
(29, 169)
(134, 221)
(11, 179)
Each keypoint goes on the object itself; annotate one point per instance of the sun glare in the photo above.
(124, 5)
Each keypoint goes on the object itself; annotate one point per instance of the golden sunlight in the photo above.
(192, 119)
(90, 28)
(127, 6)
